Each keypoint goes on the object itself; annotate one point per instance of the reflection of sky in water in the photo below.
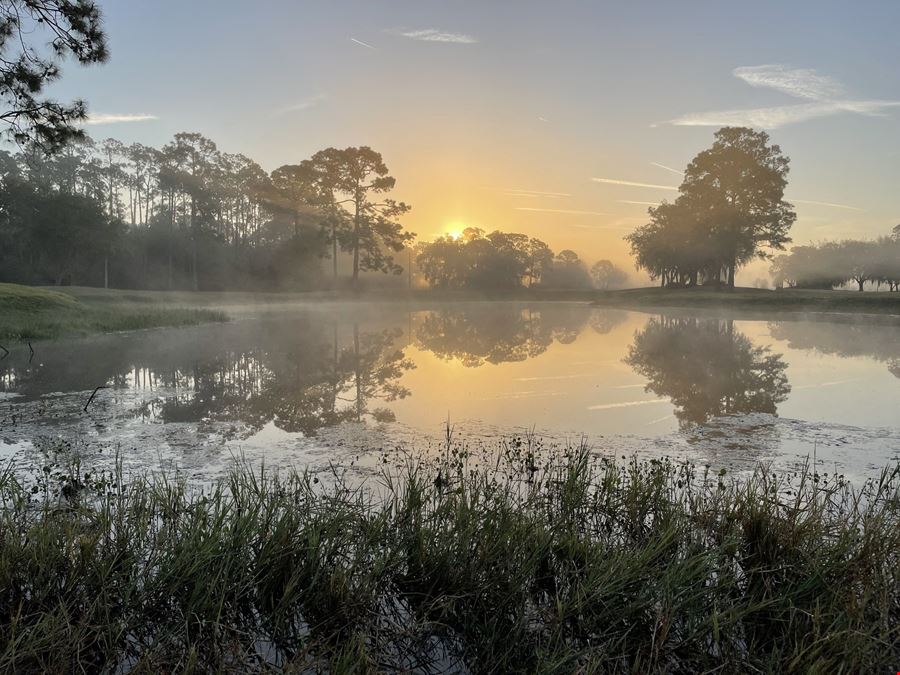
(326, 383)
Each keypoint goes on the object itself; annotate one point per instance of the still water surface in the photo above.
(316, 384)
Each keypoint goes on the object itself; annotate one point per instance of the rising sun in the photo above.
(454, 230)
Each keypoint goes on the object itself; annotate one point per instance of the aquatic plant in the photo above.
(532, 562)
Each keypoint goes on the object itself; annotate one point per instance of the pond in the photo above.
(343, 384)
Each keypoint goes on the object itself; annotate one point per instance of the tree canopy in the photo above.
(730, 209)
(189, 215)
(607, 275)
(498, 261)
(832, 264)
(73, 28)
(359, 178)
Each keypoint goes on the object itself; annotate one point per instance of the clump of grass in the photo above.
(537, 563)
(31, 313)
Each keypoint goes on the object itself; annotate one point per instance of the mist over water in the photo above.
(316, 384)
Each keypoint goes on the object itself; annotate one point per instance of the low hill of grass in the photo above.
(28, 313)
(28, 298)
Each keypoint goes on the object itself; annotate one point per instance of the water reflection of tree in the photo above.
(375, 368)
(498, 333)
(302, 387)
(302, 376)
(604, 321)
(846, 337)
(707, 368)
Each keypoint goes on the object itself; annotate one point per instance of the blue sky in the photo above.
(481, 107)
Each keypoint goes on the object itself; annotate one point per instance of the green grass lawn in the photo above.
(28, 313)
(754, 298)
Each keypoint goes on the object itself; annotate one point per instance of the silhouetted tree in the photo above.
(730, 209)
(479, 261)
(360, 177)
(606, 275)
(567, 271)
(192, 216)
(74, 28)
(832, 264)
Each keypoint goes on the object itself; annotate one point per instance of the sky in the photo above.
(564, 120)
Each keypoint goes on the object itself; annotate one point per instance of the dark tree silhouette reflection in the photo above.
(844, 337)
(499, 333)
(604, 321)
(300, 374)
(316, 385)
(707, 368)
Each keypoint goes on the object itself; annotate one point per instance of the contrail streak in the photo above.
(364, 44)
(614, 181)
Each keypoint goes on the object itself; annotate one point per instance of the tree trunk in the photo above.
(731, 275)
(356, 244)
(194, 230)
(171, 234)
(860, 282)
(334, 251)
(106, 271)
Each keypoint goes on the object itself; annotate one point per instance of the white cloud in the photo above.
(108, 118)
(779, 116)
(615, 181)
(435, 35)
(823, 96)
(797, 82)
(305, 104)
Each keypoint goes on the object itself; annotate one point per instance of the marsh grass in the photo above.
(559, 562)
(28, 313)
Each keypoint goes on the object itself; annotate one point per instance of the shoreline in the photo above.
(36, 313)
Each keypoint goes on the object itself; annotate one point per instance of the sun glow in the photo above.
(454, 230)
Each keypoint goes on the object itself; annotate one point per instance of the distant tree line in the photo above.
(833, 264)
(730, 210)
(188, 215)
(477, 260)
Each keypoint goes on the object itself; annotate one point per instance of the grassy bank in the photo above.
(572, 565)
(28, 313)
(793, 300)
